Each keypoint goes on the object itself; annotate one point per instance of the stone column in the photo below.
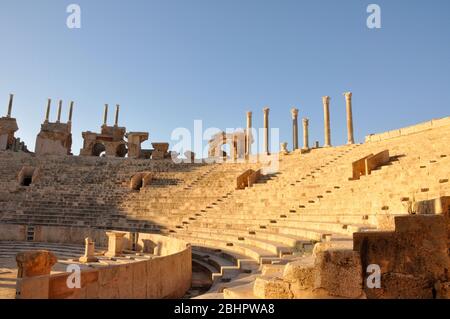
(116, 122)
(115, 244)
(248, 139)
(348, 100)
(105, 115)
(70, 112)
(294, 113)
(305, 134)
(326, 119)
(47, 114)
(266, 130)
(89, 252)
(59, 111)
(11, 97)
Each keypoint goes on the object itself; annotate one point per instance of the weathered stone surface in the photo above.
(272, 288)
(302, 277)
(54, 139)
(442, 290)
(339, 272)
(35, 263)
(418, 248)
(115, 244)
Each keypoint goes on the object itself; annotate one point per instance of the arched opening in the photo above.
(136, 182)
(28, 175)
(98, 149)
(26, 181)
(121, 150)
(140, 180)
(138, 185)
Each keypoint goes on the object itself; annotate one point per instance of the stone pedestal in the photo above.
(89, 252)
(160, 151)
(35, 263)
(54, 139)
(134, 141)
(115, 244)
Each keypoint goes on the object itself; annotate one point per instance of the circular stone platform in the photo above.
(8, 265)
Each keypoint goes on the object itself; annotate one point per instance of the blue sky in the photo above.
(168, 63)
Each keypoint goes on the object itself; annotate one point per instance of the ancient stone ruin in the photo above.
(359, 220)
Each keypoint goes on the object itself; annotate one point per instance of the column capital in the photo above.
(266, 110)
(348, 95)
(249, 114)
(305, 121)
(326, 99)
(294, 113)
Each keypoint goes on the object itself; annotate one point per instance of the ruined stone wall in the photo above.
(167, 275)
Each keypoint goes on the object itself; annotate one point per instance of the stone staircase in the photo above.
(240, 234)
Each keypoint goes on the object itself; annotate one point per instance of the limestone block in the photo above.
(418, 248)
(58, 288)
(140, 180)
(125, 281)
(35, 263)
(372, 162)
(115, 244)
(301, 276)
(139, 285)
(442, 290)
(339, 272)
(89, 252)
(108, 283)
(402, 286)
(3, 142)
(359, 167)
(32, 287)
(272, 288)
(248, 177)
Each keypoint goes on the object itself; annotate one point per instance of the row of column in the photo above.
(294, 113)
(47, 114)
(326, 119)
(49, 106)
(105, 115)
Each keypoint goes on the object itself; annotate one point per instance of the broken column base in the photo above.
(88, 259)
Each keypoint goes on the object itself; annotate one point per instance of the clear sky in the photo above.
(170, 62)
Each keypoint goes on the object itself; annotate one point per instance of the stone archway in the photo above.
(121, 150)
(28, 175)
(232, 143)
(98, 149)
